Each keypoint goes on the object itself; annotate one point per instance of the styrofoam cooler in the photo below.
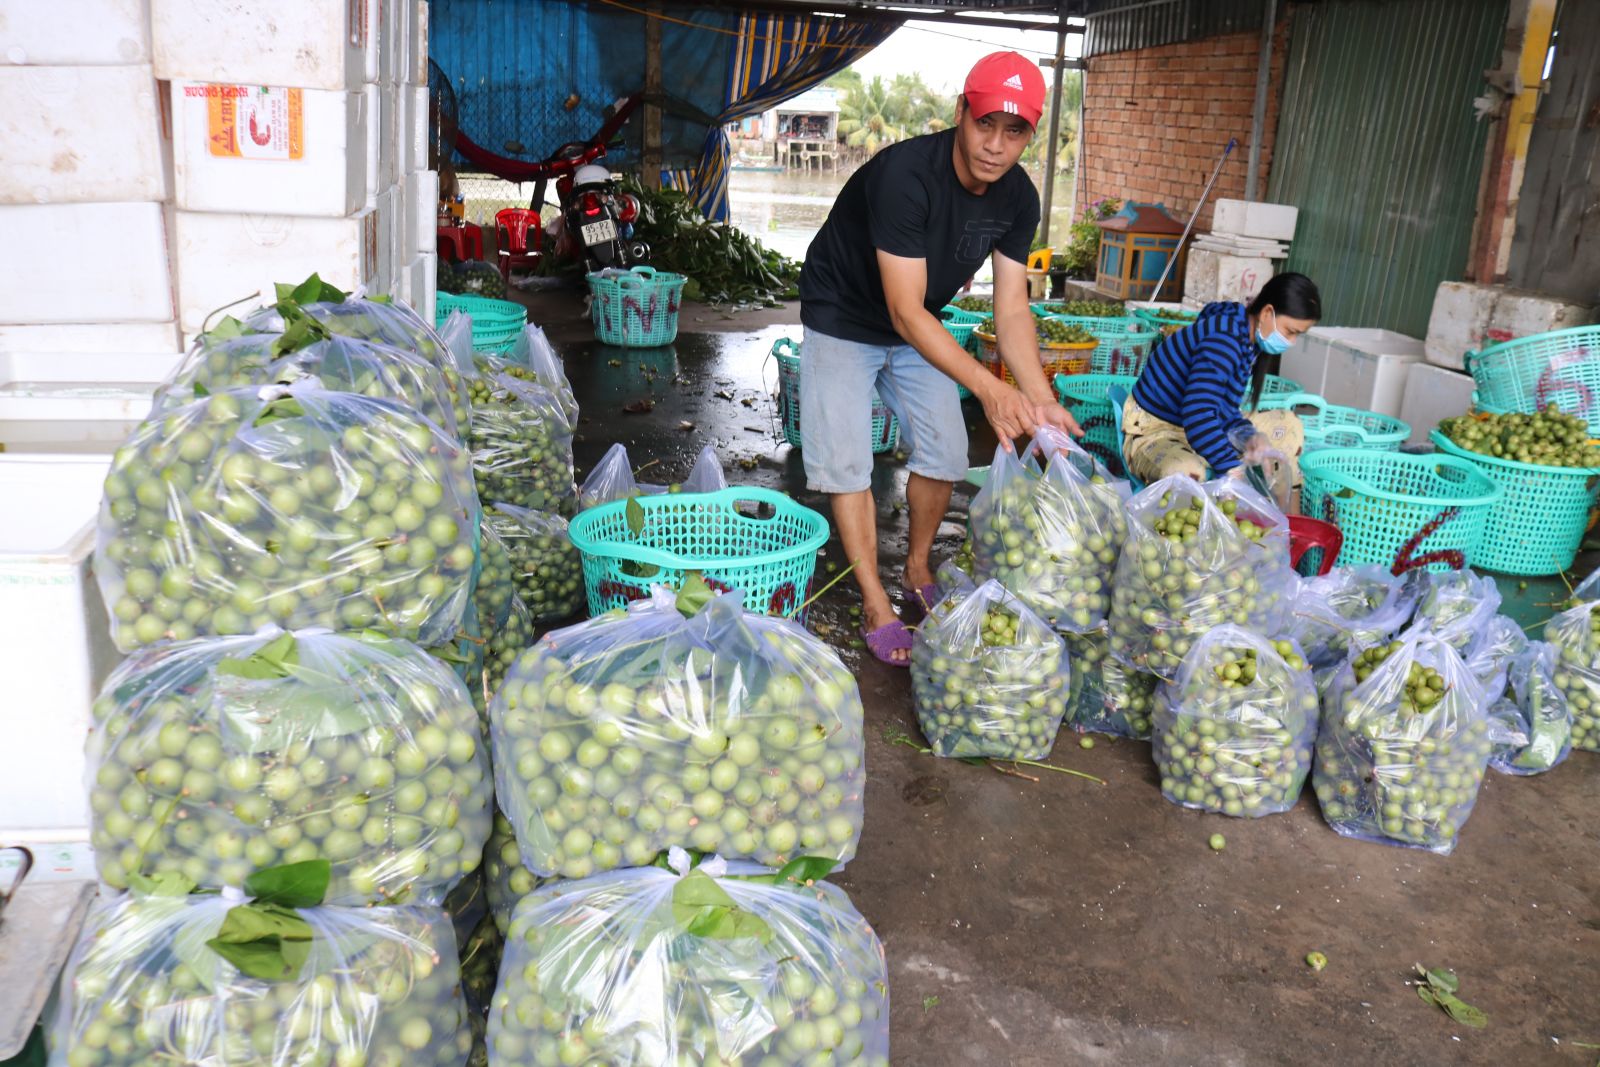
(419, 284)
(1432, 394)
(1363, 368)
(79, 403)
(91, 338)
(81, 134)
(394, 46)
(392, 132)
(85, 263)
(391, 239)
(417, 68)
(1214, 276)
(420, 190)
(229, 260)
(313, 44)
(414, 133)
(55, 644)
(272, 150)
(1253, 218)
(1468, 317)
(102, 33)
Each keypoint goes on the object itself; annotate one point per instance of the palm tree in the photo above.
(867, 117)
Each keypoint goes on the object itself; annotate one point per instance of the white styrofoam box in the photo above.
(417, 68)
(78, 33)
(1519, 313)
(1364, 368)
(310, 44)
(1434, 393)
(90, 338)
(55, 642)
(391, 238)
(76, 134)
(1306, 364)
(414, 111)
(224, 259)
(85, 263)
(374, 144)
(1252, 218)
(1458, 322)
(278, 151)
(1211, 276)
(419, 285)
(420, 233)
(104, 386)
(391, 143)
(58, 856)
(394, 51)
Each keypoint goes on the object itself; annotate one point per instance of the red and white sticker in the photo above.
(255, 122)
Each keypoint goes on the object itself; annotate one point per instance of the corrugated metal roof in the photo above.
(1148, 23)
(1379, 147)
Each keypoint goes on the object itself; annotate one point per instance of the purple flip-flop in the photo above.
(888, 639)
(924, 598)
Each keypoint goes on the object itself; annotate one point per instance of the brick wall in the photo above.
(1156, 120)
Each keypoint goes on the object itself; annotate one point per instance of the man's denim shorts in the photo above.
(836, 383)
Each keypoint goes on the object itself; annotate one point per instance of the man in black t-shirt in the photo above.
(907, 231)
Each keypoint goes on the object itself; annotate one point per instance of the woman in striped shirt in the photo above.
(1184, 415)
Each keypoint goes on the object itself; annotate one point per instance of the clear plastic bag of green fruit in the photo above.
(532, 349)
(217, 757)
(1404, 745)
(1349, 608)
(234, 356)
(1105, 696)
(506, 880)
(1233, 734)
(1497, 648)
(721, 731)
(1457, 606)
(288, 505)
(613, 478)
(1049, 524)
(463, 655)
(1575, 633)
(721, 964)
(1198, 555)
(1531, 727)
(143, 986)
(520, 437)
(988, 677)
(546, 568)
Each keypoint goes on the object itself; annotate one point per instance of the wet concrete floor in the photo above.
(1061, 921)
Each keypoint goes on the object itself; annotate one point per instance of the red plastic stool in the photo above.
(513, 226)
(1306, 534)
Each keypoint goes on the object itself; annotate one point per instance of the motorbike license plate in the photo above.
(599, 232)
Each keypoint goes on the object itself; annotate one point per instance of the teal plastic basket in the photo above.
(1335, 426)
(1165, 319)
(745, 538)
(495, 323)
(1046, 309)
(962, 332)
(958, 315)
(1541, 518)
(1400, 510)
(1085, 395)
(1528, 374)
(885, 426)
(637, 308)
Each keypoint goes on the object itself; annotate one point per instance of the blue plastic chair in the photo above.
(1118, 397)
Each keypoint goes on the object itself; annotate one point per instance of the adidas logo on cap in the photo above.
(1013, 82)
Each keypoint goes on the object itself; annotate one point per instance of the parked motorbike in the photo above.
(598, 220)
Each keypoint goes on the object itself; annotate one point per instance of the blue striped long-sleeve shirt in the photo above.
(1195, 378)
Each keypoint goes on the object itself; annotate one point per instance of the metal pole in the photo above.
(1055, 135)
(1258, 115)
(1205, 195)
(652, 157)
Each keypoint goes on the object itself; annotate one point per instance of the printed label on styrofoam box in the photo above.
(253, 122)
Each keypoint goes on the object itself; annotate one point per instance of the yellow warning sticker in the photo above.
(253, 122)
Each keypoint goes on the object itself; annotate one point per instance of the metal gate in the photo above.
(1380, 147)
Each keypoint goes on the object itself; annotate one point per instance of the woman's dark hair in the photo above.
(1293, 295)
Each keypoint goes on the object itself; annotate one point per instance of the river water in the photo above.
(784, 209)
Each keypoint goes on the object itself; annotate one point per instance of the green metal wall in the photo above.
(1379, 147)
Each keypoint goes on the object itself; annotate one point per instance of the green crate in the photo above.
(745, 538)
(1336, 426)
(1528, 374)
(495, 323)
(885, 426)
(962, 332)
(1050, 309)
(1400, 510)
(954, 314)
(637, 308)
(1085, 395)
(1540, 520)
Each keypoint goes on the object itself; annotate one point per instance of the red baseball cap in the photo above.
(1004, 81)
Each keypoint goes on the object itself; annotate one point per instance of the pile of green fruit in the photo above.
(978, 305)
(1233, 735)
(546, 567)
(726, 732)
(1052, 537)
(1404, 745)
(988, 678)
(1087, 309)
(1531, 728)
(220, 362)
(1105, 696)
(1549, 438)
(1575, 633)
(507, 880)
(1051, 333)
(646, 967)
(218, 757)
(1456, 607)
(379, 986)
(473, 278)
(1191, 563)
(520, 438)
(303, 508)
(463, 655)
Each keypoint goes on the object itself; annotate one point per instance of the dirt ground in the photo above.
(1064, 921)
